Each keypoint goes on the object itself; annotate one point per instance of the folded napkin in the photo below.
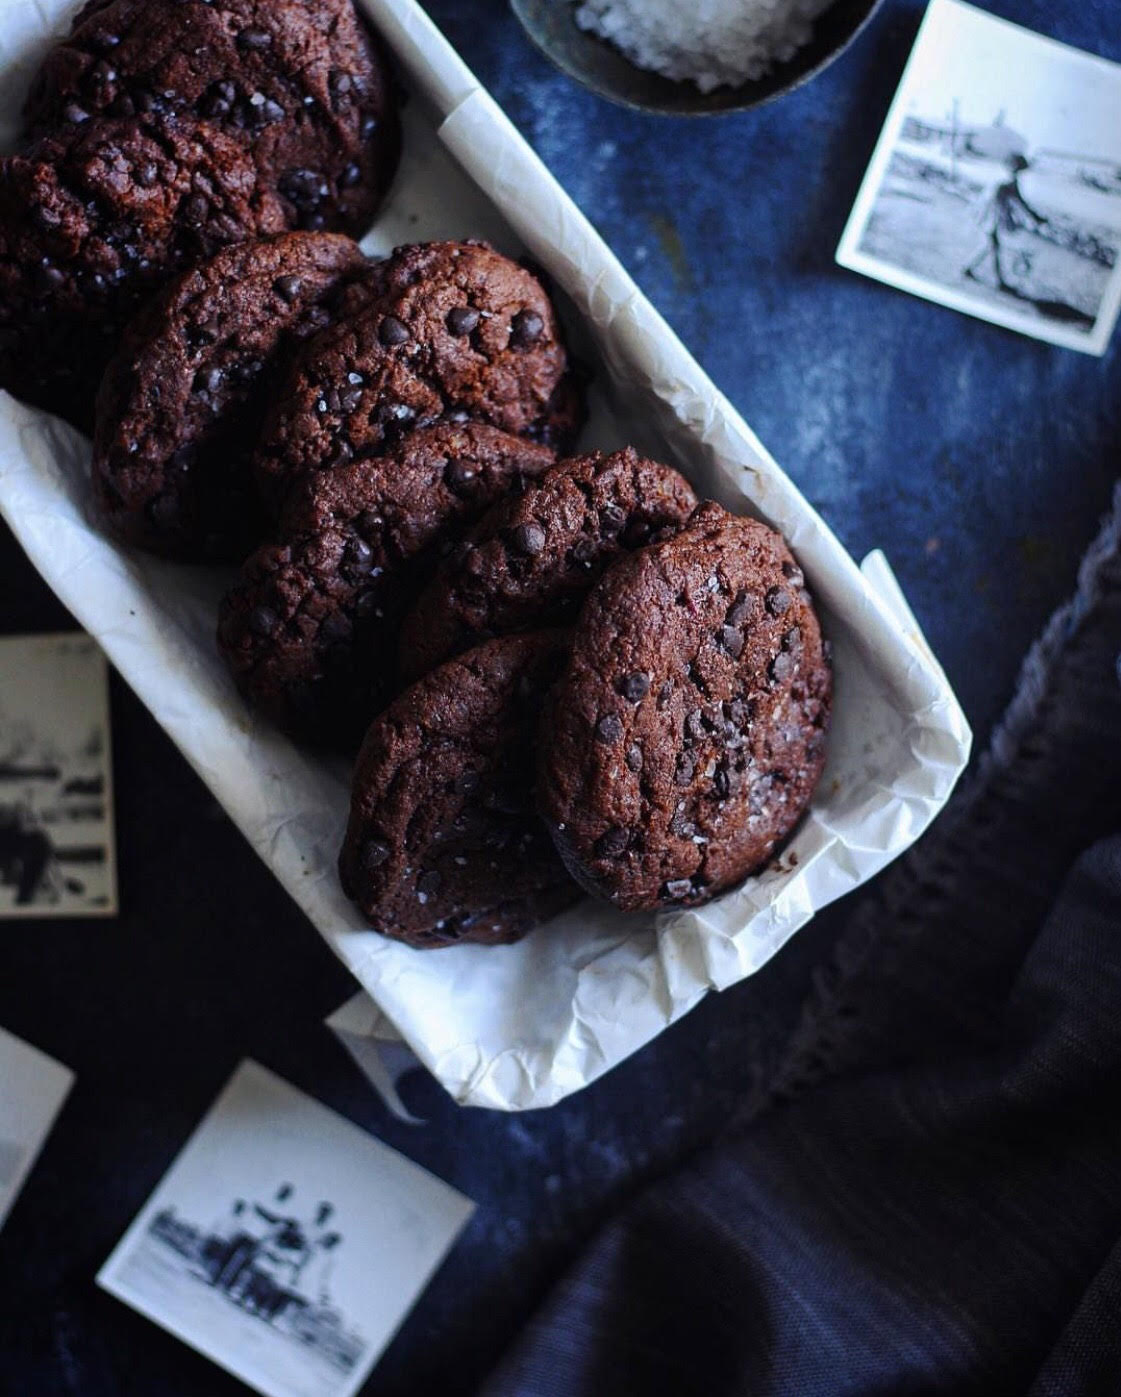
(929, 1198)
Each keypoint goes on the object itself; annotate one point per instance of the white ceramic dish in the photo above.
(519, 1026)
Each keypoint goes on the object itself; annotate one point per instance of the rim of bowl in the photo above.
(602, 68)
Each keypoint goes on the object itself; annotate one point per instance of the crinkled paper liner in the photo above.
(519, 1026)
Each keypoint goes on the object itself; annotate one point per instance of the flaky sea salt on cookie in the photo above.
(685, 739)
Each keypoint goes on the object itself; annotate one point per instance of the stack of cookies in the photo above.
(619, 692)
(159, 131)
(561, 675)
(392, 431)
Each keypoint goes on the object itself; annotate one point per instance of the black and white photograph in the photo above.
(33, 1087)
(285, 1243)
(57, 854)
(995, 188)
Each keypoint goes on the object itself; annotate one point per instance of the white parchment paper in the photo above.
(519, 1026)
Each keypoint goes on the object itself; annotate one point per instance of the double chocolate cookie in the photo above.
(181, 404)
(443, 844)
(92, 221)
(309, 631)
(457, 332)
(532, 558)
(300, 85)
(161, 131)
(687, 735)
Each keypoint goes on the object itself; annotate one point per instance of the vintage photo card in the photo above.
(32, 1089)
(57, 855)
(285, 1243)
(995, 188)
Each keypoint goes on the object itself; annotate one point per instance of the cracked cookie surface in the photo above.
(530, 561)
(301, 85)
(443, 845)
(457, 332)
(685, 739)
(182, 401)
(310, 629)
(92, 221)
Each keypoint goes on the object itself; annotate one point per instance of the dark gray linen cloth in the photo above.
(928, 1198)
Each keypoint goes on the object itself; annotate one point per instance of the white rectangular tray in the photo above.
(520, 1026)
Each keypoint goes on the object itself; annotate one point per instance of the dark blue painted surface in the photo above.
(980, 461)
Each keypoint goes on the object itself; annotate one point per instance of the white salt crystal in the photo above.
(710, 42)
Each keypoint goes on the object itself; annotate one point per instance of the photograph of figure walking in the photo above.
(996, 185)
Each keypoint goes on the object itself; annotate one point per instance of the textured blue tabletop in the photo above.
(978, 460)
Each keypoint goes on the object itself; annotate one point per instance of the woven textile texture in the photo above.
(927, 1198)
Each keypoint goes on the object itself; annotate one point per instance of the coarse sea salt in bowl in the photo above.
(699, 58)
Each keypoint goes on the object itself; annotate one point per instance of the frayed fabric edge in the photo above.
(902, 901)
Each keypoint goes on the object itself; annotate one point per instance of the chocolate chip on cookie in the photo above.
(531, 559)
(443, 844)
(92, 221)
(300, 85)
(309, 631)
(181, 404)
(686, 737)
(408, 360)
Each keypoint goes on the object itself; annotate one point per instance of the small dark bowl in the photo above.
(590, 60)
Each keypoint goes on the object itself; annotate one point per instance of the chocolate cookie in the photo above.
(92, 221)
(309, 631)
(531, 559)
(181, 404)
(687, 735)
(299, 84)
(459, 332)
(443, 844)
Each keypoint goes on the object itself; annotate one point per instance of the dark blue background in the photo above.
(978, 460)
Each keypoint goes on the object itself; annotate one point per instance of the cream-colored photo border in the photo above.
(953, 14)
